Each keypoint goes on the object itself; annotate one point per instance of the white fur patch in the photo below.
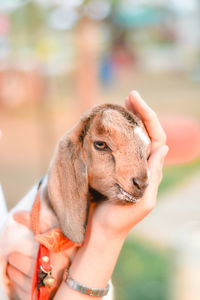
(139, 131)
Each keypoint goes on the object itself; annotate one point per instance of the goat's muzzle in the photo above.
(140, 184)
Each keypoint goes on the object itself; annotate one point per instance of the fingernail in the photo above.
(135, 93)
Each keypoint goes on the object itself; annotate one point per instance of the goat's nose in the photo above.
(140, 183)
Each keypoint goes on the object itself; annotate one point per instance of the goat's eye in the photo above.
(101, 145)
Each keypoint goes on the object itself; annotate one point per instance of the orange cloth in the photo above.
(53, 240)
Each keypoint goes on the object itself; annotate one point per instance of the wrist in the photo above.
(90, 291)
(95, 260)
(101, 235)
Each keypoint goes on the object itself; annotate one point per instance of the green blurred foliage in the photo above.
(28, 19)
(177, 174)
(142, 272)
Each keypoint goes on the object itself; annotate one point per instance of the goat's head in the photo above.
(105, 155)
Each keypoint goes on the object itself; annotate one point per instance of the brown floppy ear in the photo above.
(68, 184)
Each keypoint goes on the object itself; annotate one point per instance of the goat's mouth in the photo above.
(96, 196)
(124, 196)
(119, 194)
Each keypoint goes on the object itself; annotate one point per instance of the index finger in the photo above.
(135, 103)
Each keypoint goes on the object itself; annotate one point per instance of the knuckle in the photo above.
(9, 270)
(12, 258)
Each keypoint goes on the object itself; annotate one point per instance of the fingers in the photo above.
(155, 164)
(159, 150)
(135, 103)
(18, 293)
(23, 282)
(20, 270)
(23, 263)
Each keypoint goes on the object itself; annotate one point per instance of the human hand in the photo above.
(117, 219)
(20, 271)
(107, 218)
(21, 266)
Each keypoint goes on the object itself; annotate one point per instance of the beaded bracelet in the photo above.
(94, 292)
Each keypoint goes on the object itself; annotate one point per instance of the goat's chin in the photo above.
(113, 195)
(96, 196)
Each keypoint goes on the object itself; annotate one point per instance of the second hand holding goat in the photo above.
(113, 169)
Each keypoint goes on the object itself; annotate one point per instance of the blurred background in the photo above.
(59, 57)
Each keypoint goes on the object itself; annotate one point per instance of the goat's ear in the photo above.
(68, 185)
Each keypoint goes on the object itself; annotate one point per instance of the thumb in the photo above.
(156, 162)
(23, 218)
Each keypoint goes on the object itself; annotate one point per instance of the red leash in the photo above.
(41, 290)
(52, 241)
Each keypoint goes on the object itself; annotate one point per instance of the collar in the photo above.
(51, 241)
(54, 240)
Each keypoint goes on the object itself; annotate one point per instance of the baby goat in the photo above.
(104, 157)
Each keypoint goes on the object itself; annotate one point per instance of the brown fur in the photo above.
(78, 168)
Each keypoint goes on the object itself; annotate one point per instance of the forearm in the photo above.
(93, 264)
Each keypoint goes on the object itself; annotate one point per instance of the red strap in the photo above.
(54, 241)
(43, 292)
